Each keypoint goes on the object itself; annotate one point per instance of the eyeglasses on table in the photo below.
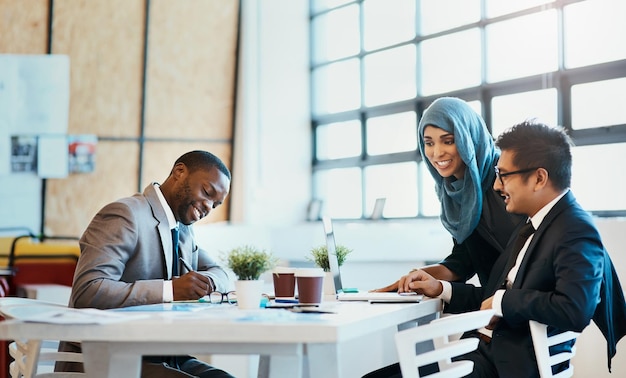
(217, 297)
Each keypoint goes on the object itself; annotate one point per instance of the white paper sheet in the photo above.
(52, 156)
(64, 315)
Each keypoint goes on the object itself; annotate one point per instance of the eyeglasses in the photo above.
(217, 297)
(500, 175)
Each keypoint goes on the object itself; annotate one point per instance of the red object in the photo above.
(5, 359)
(33, 262)
(45, 272)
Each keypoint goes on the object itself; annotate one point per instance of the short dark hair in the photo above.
(536, 144)
(198, 159)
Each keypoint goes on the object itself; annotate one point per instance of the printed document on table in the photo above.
(65, 315)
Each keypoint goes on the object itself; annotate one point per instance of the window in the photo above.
(450, 62)
(607, 97)
(400, 125)
(389, 76)
(338, 140)
(397, 183)
(510, 109)
(522, 46)
(377, 64)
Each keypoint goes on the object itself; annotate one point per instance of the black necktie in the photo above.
(523, 235)
(175, 251)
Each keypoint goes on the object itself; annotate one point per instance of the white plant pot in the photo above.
(329, 284)
(249, 294)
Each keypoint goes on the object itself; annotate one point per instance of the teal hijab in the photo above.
(461, 200)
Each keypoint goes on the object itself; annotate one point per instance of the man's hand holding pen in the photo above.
(191, 285)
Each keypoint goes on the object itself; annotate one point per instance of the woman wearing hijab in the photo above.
(461, 156)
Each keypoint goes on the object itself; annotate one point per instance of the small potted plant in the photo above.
(319, 256)
(248, 263)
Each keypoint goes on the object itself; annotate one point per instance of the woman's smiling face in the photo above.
(441, 151)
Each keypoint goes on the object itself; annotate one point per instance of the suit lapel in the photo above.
(558, 208)
(501, 263)
(163, 228)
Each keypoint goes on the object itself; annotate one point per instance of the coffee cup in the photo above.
(310, 283)
(284, 282)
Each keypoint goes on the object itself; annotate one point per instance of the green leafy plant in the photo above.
(248, 262)
(319, 256)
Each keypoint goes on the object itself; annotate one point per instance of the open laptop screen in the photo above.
(332, 253)
(351, 294)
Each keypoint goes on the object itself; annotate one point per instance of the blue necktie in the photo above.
(175, 252)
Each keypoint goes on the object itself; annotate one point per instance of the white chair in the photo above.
(542, 343)
(34, 358)
(445, 348)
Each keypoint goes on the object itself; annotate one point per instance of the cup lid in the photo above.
(284, 269)
(309, 272)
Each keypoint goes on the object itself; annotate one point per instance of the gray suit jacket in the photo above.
(126, 255)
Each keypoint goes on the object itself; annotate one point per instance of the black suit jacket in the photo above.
(560, 282)
(610, 315)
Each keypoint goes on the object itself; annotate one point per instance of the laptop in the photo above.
(353, 294)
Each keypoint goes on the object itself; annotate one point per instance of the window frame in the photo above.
(562, 80)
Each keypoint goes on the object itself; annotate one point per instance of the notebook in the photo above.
(353, 294)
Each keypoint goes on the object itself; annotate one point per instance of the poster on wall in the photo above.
(24, 154)
(82, 153)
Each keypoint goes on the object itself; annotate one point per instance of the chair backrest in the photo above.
(542, 343)
(34, 358)
(4, 287)
(48, 261)
(440, 332)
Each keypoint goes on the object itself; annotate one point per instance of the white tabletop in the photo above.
(224, 329)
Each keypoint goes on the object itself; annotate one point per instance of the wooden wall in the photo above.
(152, 79)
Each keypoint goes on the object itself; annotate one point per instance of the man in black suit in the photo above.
(559, 274)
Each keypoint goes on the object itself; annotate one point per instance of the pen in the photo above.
(278, 300)
(186, 264)
(200, 300)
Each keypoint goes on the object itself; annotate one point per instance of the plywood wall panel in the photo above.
(190, 69)
(23, 27)
(159, 157)
(72, 202)
(190, 74)
(105, 42)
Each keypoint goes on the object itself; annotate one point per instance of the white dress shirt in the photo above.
(168, 290)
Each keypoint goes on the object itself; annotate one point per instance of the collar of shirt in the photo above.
(171, 220)
(538, 218)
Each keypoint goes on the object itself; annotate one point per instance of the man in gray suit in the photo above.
(128, 255)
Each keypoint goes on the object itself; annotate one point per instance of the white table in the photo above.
(291, 345)
(46, 292)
